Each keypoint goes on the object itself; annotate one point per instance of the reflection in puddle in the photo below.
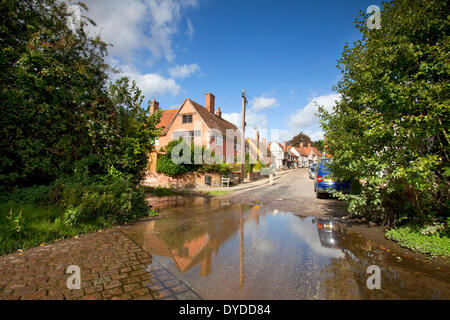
(227, 251)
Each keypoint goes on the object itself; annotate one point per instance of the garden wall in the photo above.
(186, 180)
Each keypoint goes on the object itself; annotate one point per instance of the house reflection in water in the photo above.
(194, 238)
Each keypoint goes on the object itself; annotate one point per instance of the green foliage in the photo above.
(389, 130)
(58, 113)
(219, 192)
(319, 145)
(69, 139)
(34, 195)
(159, 191)
(436, 243)
(73, 205)
(112, 198)
(165, 164)
(15, 224)
(191, 157)
(224, 169)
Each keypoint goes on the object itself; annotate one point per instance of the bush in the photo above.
(165, 165)
(421, 240)
(224, 169)
(389, 128)
(35, 194)
(115, 199)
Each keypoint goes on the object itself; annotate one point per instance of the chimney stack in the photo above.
(285, 146)
(154, 105)
(218, 112)
(209, 102)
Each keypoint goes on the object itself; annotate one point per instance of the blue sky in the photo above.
(283, 53)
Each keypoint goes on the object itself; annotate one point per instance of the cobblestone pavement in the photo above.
(112, 267)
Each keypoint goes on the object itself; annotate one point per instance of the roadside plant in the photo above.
(389, 130)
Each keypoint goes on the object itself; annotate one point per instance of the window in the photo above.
(218, 139)
(187, 118)
(186, 135)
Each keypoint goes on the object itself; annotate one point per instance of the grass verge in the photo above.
(411, 237)
(24, 225)
(218, 192)
(163, 191)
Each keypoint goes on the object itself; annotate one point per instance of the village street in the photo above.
(292, 192)
(221, 248)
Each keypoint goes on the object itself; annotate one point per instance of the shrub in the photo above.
(114, 199)
(35, 194)
(187, 154)
(413, 237)
(224, 169)
(165, 165)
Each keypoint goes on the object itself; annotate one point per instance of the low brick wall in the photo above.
(186, 180)
(255, 176)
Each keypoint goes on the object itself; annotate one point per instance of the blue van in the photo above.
(324, 180)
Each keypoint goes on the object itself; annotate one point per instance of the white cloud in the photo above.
(304, 120)
(306, 117)
(150, 83)
(190, 28)
(234, 118)
(255, 119)
(183, 71)
(262, 102)
(315, 136)
(134, 25)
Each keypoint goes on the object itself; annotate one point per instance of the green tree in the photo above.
(58, 113)
(52, 92)
(389, 131)
(319, 145)
(300, 138)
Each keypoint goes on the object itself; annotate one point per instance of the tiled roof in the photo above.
(166, 118)
(213, 121)
(298, 150)
(305, 151)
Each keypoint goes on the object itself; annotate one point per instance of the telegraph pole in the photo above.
(244, 101)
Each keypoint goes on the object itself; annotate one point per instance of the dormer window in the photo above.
(187, 118)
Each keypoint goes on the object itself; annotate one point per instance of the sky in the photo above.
(282, 52)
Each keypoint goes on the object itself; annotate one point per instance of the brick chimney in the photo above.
(218, 112)
(209, 102)
(154, 105)
(285, 146)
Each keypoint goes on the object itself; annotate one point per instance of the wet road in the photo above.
(293, 192)
(229, 251)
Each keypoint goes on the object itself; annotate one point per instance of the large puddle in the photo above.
(226, 251)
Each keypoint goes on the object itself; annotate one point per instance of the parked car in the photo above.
(312, 170)
(324, 181)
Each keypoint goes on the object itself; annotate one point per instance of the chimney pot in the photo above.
(209, 102)
(219, 112)
(154, 105)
